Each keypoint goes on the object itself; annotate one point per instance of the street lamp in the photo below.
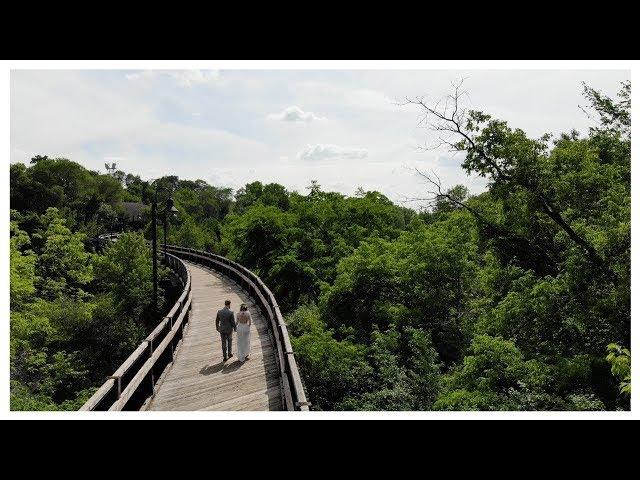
(169, 212)
(154, 246)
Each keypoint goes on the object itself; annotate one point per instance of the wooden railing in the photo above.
(134, 381)
(293, 394)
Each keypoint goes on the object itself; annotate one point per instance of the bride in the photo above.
(244, 332)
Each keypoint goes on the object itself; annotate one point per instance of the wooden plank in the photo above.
(198, 379)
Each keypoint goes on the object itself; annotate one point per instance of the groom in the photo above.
(225, 324)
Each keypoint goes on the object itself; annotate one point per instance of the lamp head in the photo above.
(171, 210)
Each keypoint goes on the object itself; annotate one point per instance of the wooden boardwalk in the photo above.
(198, 379)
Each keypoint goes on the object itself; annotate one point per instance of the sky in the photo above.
(343, 128)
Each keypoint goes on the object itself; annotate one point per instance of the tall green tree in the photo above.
(125, 270)
(63, 267)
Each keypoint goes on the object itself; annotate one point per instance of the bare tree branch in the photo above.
(450, 122)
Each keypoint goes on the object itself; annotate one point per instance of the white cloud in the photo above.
(189, 78)
(295, 114)
(118, 126)
(139, 75)
(145, 121)
(333, 94)
(184, 78)
(371, 99)
(331, 152)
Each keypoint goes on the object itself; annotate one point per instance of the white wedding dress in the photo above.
(244, 334)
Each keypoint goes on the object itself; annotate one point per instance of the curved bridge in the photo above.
(179, 365)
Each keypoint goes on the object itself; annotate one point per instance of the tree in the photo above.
(314, 188)
(620, 360)
(47, 371)
(125, 270)
(614, 117)
(61, 183)
(247, 196)
(423, 369)
(332, 369)
(556, 218)
(417, 280)
(451, 200)
(390, 389)
(137, 190)
(514, 164)
(189, 234)
(106, 218)
(258, 237)
(63, 267)
(276, 195)
(293, 281)
(38, 158)
(21, 267)
(491, 373)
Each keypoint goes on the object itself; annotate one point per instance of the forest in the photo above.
(514, 299)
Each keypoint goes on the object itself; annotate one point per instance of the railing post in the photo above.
(170, 323)
(151, 374)
(118, 380)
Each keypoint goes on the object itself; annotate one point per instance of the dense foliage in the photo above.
(514, 299)
(76, 313)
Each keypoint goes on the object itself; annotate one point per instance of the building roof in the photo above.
(134, 210)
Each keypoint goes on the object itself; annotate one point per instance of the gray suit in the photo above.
(226, 324)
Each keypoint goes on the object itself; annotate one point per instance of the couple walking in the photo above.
(226, 323)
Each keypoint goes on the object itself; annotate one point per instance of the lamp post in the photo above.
(169, 209)
(154, 246)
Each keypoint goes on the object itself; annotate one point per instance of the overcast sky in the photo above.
(342, 128)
